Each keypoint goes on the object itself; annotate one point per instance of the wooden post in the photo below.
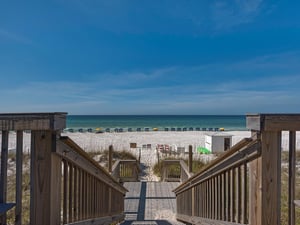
(190, 158)
(45, 179)
(271, 177)
(265, 181)
(110, 154)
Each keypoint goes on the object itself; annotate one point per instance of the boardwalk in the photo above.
(150, 203)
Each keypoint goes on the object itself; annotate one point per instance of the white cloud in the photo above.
(228, 14)
(15, 37)
(235, 90)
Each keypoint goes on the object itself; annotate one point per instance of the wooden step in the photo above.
(297, 203)
(4, 207)
(144, 223)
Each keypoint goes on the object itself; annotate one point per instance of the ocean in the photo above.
(234, 122)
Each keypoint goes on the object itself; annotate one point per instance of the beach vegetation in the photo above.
(196, 166)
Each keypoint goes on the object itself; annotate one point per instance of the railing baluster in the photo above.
(244, 204)
(3, 175)
(233, 195)
(75, 209)
(292, 177)
(70, 193)
(239, 195)
(19, 165)
(65, 192)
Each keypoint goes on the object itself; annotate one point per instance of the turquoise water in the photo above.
(235, 122)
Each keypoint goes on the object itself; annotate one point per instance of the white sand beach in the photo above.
(121, 141)
(91, 142)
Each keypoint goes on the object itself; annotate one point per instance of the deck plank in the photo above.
(150, 203)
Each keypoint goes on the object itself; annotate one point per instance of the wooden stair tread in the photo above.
(297, 203)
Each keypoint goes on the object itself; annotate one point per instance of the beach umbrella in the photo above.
(155, 129)
(203, 150)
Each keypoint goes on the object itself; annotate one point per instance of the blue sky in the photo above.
(150, 57)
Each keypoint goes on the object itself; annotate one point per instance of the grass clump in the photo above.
(197, 166)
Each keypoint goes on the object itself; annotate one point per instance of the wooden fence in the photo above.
(244, 185)
(126, 170)
(66, 185)
(175, 171)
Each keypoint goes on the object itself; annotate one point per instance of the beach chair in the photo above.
(144, 147)
(216, 129)
(184, 129)
(166, 129)
(210, 129)
(173, 129)
(146, 129)
(129, 129)
(120, 130)
(90, 130)
(116, 130)
(167, 149)
(191, 129)
(203, 129)
(160, 148)
(148, 146)
(197, 128)
(178, 128)
(138, 129)
(107, 130)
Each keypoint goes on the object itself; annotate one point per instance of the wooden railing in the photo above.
(175, 171)
(66, 185)
(126, 170)
(244, 185)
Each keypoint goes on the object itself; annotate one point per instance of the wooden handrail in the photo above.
(234, 157)
(243, 185)
(85, 185)
(244, 142)
(72, 152)
(66, 185)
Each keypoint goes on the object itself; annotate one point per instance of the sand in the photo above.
(91, 142)
(121, 141)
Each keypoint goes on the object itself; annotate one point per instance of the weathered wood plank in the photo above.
(292, 177)
(45, 179)
(202, 221)
(3, 172)
(33, 121)
(101, 220)
(19, 164)
(255, 192)
(273, 122)
(271, 177)
(236, 160)
(69, 150)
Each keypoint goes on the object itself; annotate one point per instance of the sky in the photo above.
(120, 57)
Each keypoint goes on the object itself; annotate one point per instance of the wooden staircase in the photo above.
(150, 203)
